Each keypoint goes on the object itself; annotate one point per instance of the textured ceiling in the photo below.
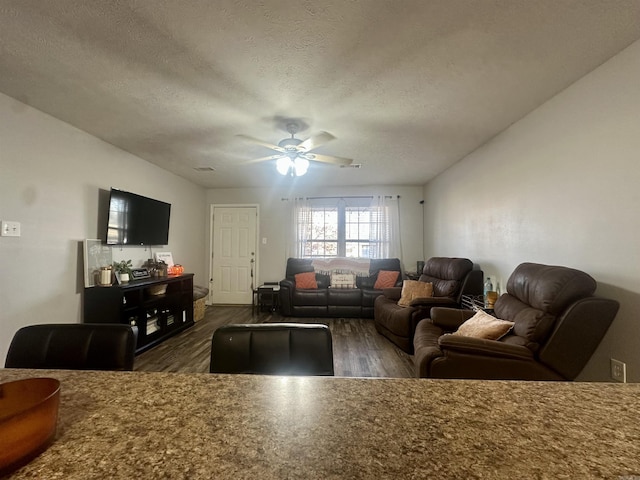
(408, 87)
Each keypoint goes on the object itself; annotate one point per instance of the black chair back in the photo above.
(74, 346)
(272, 349)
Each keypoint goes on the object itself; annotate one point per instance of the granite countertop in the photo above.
(200, 426)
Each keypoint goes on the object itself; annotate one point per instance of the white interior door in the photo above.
(233, 254)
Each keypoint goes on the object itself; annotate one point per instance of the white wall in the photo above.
(561, 186)
(50, 178)
(275, 221)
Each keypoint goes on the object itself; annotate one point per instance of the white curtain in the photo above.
(301, 227)
(385, 228)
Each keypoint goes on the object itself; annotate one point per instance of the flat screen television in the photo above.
(137, 220)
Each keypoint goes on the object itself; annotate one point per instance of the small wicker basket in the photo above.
(158, 289)
(198, 309)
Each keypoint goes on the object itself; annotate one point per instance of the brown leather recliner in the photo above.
(558, 326)
(451, 278)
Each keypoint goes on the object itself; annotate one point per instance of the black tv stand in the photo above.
(157, 316)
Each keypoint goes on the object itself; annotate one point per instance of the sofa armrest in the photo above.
(287, 287)
(393, 293)
(450, 319)
(286, 283)
(480, 346)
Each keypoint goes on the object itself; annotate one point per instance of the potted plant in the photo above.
(123, 269)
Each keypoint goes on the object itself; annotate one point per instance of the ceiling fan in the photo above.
(294, 155)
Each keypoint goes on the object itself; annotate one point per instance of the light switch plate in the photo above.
(9, 229)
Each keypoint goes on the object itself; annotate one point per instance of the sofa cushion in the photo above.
(442, 288)
(365, 282)
(549, 288)
(298, 265)
(483, 325)
(412, 289)
(447, 268)
(378, 265)
(323, 281)
(309, 297)
(344, 297)
(306, 280)
(384, 264)
(386, 279)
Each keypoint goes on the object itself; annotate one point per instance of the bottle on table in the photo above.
(488, 286)
(489, 294)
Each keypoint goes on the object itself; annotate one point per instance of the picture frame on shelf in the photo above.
(96, 255)
(165, 257)
(139, 273)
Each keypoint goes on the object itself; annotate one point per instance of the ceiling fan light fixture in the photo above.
(293, 167)
(283, 165)
(301, 165)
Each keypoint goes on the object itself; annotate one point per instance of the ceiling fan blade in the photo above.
(260, 142)
(328, 159)
(264, 159)
(315, 141)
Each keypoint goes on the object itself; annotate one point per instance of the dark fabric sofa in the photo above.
(328, 302)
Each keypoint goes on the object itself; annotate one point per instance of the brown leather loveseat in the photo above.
(558, 324)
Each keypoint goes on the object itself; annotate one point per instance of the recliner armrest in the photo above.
(450, 319)
(480, 346)
(430, 302)
(286, 283)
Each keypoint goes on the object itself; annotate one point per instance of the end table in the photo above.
(265, 297)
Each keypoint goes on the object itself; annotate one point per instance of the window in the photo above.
(335, 227)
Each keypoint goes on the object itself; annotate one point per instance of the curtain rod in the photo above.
(284, 199)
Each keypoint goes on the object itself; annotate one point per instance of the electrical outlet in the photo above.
(9, 229)
(618, 370)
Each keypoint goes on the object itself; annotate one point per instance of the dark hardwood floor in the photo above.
(358, 349)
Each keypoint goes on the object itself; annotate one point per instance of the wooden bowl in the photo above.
(28, 418)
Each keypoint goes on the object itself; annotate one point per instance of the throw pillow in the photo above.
(306, 280)
(343, 280)
(386, 279)
(483, 325)
(412, 289)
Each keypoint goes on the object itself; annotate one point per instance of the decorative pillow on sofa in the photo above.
(386, 279)
(412, 289)
(306, 280)
(343, 280)
(483, 325)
